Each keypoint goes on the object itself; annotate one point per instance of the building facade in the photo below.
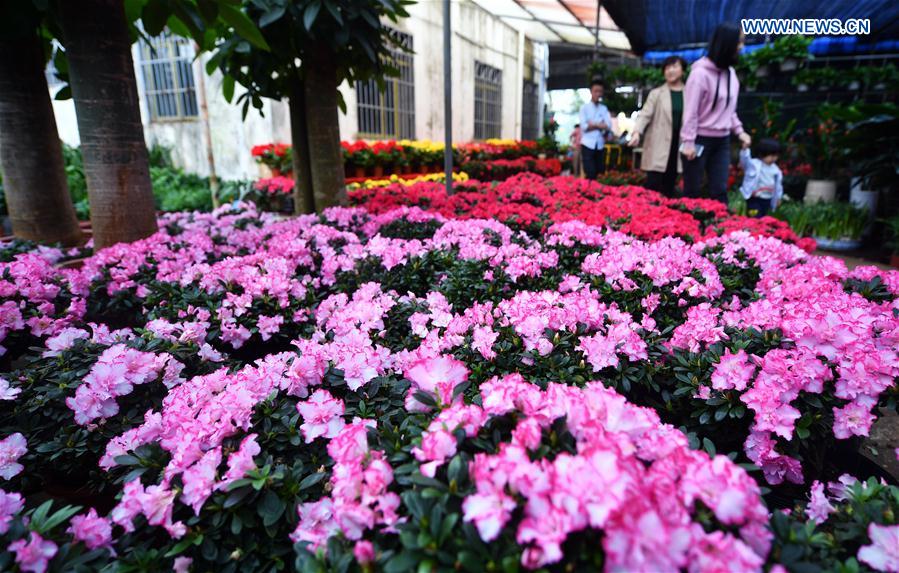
(498, 86)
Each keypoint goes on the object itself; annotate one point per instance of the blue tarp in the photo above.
(819, 47)
(658, 26)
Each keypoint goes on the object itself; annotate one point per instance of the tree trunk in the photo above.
(112, 138)
(37, 195)
(325, 153)
(303, 198)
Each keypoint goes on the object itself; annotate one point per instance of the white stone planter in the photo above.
(865, 199)
(820, 190)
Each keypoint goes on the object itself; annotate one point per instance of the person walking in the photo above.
(710, 114)
(658, 129)
(594, 121)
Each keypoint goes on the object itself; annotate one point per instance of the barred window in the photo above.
(389, 113)
(530, 111)
(488, 97)
(166, 62)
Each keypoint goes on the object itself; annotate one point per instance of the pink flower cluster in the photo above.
(359, 500)
(632, 477)
(115, 374)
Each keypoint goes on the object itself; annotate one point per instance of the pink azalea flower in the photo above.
(182, 564)
(883, 553)
(322, 416)
(35, 554)
(364, 552)
(489, 512)
(241, 461)
(853, 419)
(734, 371)
(6, 391)
(93, 530)
(11, 449)
(199, 479)
(437, 376)
(819, 506)
(10, 505)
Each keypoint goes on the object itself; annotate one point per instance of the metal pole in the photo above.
(447, 100)
(596, 37)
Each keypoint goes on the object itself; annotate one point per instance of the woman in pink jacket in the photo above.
(710, 114)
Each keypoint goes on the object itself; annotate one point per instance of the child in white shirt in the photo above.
(762, 179)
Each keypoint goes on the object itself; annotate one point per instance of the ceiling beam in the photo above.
(536, 19)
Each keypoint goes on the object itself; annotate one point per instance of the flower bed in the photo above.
(532, 202)
(388, 157)
(241, 393)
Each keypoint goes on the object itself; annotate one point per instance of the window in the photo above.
(166, 63)
(389, 113)
(530, 111)
(488, 97)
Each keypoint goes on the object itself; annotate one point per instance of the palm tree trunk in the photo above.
(303, 198)
(325, 153)
(112, 138)
(40, 207)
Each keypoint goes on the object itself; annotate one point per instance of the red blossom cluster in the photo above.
(529, 200)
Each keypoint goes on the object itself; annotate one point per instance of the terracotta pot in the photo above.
(379, 171)
(894, 260)
(359, 172)
(820, 190)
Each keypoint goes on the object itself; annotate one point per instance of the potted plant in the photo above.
(838, 226)
(870, 144)
(821, 150)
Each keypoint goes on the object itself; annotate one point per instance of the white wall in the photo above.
(477, 35)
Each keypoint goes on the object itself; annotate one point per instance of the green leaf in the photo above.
(64, 93)
(310, 14)
(312, 479)
(271, 508)
(243, 26)
(154, 16)
(184, 544)
(228, 87)
(271, 16)
(335, 11)
(59, 517)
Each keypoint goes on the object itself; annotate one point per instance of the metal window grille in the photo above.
(389, 113)
(166, 63)
(530, 111)
(488, 97)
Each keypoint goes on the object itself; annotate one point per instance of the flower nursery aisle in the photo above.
(542, 373)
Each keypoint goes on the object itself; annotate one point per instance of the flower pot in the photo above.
(379, 171)
(789, 64)
(762, 71)
(820, 190)
(864, 199)
(359, 172)
(894, 260)
(802, 88)
(854, 85)
(844, 244)
(880, 86)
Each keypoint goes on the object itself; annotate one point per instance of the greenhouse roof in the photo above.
(676, 25)
(559, 21)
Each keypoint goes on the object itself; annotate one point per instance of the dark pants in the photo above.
(760, 206)
(714, 161)
(663, 182)
(594, 161)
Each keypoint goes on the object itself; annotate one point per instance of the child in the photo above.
(762, 179)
